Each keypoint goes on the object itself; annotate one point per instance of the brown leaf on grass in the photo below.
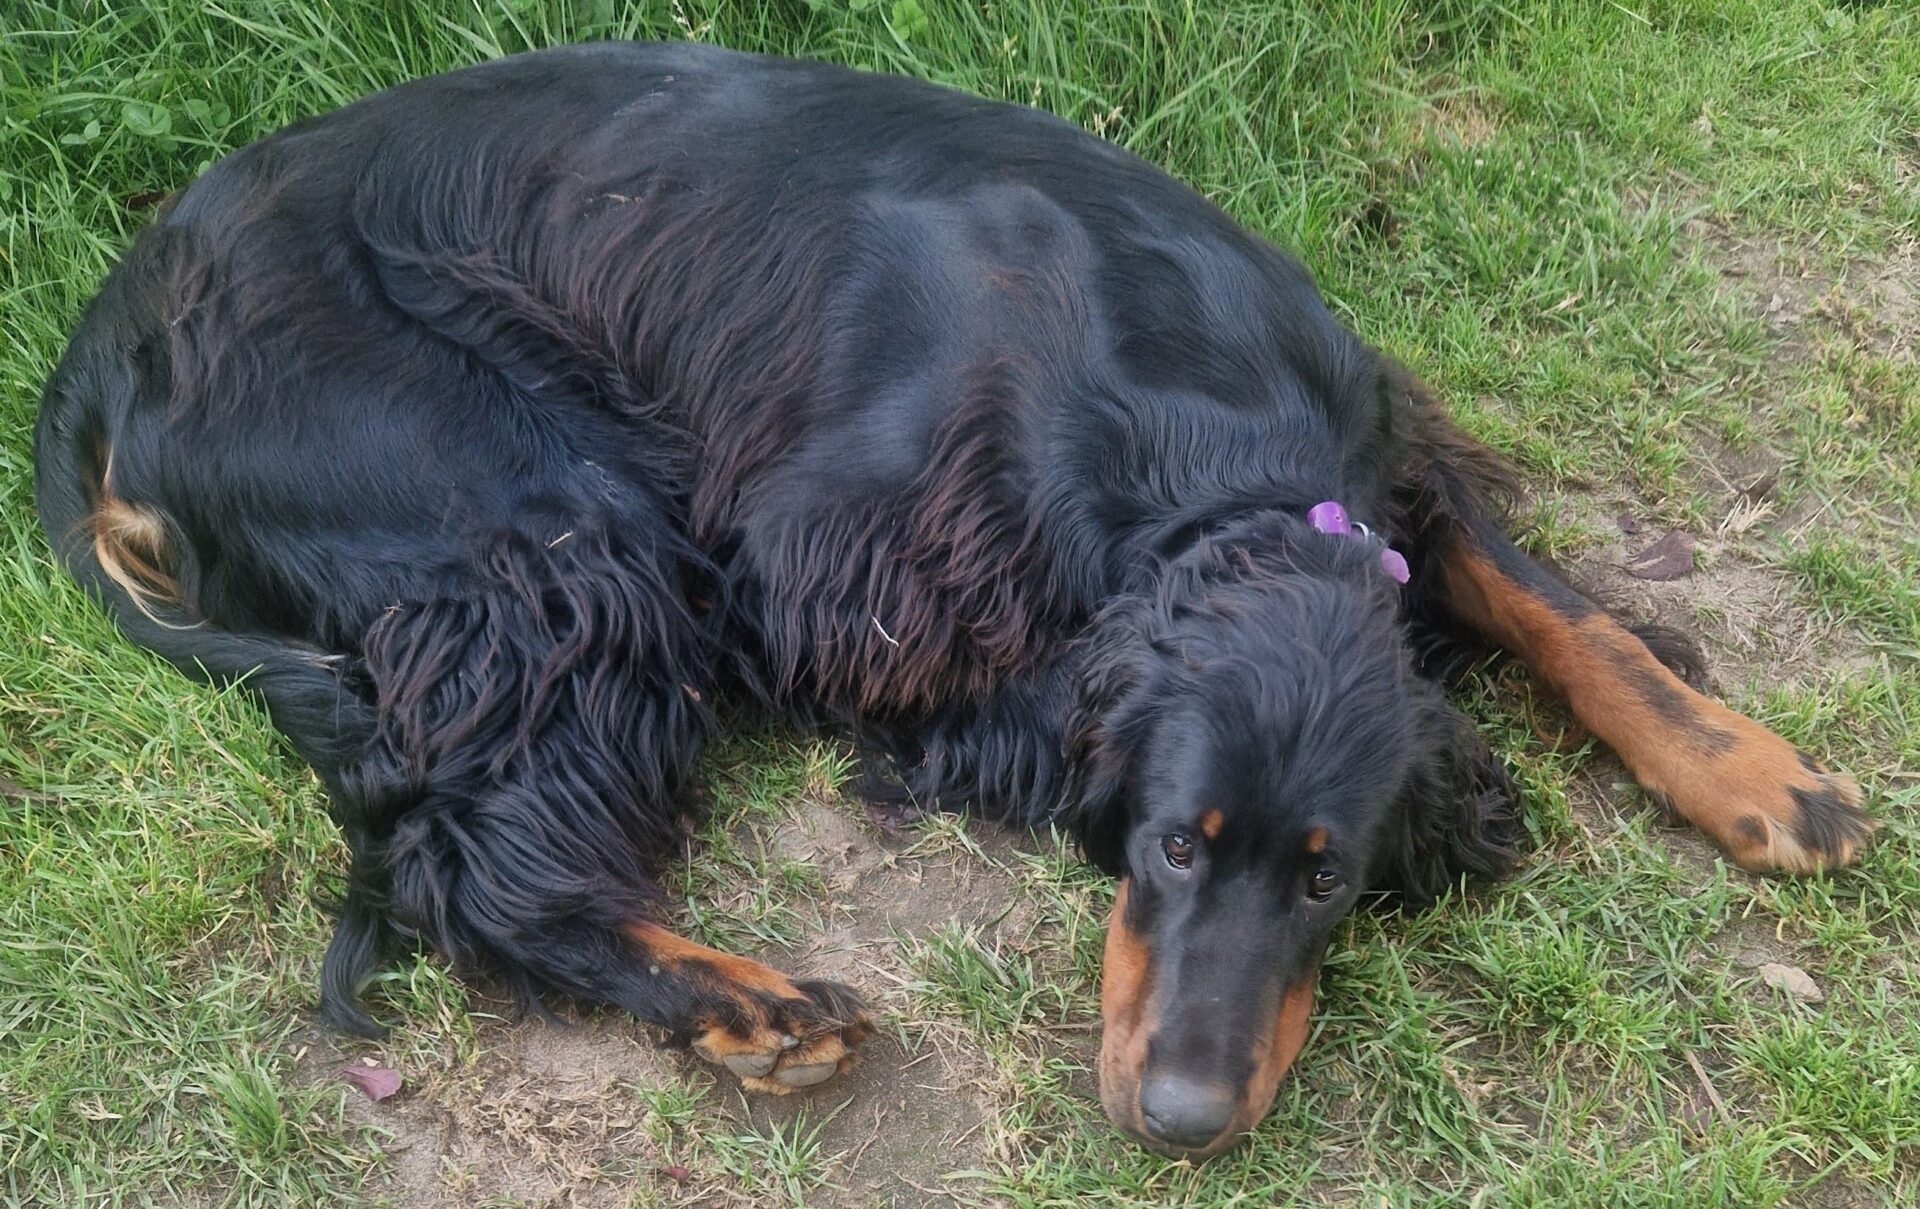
(1669, 558)
(677, 1173)
(1628, 525)
(1793, 980)
(378, 1082)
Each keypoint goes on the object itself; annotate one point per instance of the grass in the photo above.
(1655, 250)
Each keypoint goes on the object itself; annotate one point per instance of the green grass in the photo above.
(1533, 203)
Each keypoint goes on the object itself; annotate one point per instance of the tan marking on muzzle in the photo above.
(1126, 989)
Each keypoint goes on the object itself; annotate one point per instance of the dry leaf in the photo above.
(378, 1082)
(1669, 558)
(1793, 980)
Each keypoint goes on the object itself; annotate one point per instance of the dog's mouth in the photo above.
(1183, 1113)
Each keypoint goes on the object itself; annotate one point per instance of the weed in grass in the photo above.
(983, 982)
(780, 1164)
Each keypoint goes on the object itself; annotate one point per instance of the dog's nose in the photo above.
(1183, 1112)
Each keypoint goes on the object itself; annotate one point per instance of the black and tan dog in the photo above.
(490, 426)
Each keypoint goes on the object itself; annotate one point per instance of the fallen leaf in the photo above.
(378, 1082)
(1697, 1112)
(1669, 558)
(1793, 980)
(677, 1173)
(1628, 525)
(1762, 487)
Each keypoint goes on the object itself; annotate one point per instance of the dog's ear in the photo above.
(1458, 816)
(1105, 728)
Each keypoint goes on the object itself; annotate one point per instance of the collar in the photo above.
(1330, 517)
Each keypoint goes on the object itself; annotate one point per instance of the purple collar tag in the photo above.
(1330, 518)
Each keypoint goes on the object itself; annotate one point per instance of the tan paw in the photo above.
(1820, 827)
(1771, 806)
(793, 1043)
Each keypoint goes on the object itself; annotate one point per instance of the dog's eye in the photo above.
(1324, 883)
(1178, 849)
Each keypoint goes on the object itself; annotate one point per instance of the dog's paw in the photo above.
(1770, 806)
(783, 1045)
(1819, 824)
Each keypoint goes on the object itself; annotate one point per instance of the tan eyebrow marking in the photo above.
(1210, 824)
(1317, 840)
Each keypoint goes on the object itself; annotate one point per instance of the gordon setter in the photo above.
(488, 427)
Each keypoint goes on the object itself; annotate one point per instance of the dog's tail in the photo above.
(100, 415)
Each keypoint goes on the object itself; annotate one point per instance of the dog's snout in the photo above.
(1185, 1112)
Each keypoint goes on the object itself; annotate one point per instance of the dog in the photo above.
(490, 428)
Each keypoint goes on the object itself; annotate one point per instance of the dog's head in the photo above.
(1254, 751)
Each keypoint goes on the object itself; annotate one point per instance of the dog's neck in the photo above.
(1269, 541)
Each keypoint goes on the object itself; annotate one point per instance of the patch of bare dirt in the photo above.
(918, 1105)
(547, 1115)
(1459, 119)
(1758, 940)
(1742, 609)
(878, 887)
(1791, 289)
